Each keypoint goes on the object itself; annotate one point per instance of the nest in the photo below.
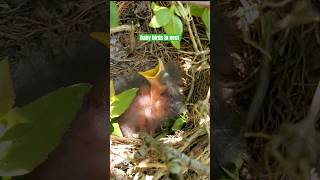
(134, 158)
(282, 70)
(41, 21)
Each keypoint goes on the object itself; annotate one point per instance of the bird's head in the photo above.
(166, 79)
(163, 73)
(155, 76)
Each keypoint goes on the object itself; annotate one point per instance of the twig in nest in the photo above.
(117, 174)
(188, 141)
(197, 37)
(192, 83)
(176, 161)
(257, 135)
(187, 21)
(296, 146)
(15, 9)
(241, 83)
(129, 28)
(264, 79)
(121, 28)
(204, 52)
(275, 4)
(87, 10)
(199, 3)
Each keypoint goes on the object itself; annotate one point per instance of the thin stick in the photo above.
(190, 31)
(121, 28)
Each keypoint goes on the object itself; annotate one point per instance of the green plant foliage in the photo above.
(203, 13)
(174, 27)
(121, 102)
(118, 105)
(112, 91)
(206, 19)
(155, 7)
(114, 17)
(115, 128)
(161, 18)
(164, 17)
(34, 130)
(179, 122)
(7, 96)
(182, 12)
(196, 10)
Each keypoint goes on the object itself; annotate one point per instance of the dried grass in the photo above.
(275, 145)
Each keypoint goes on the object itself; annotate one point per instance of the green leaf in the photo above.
(206, 19)
(155, 7)
(182, 12)
(115, 128)
(114, 17)
(178, 124)
(174, 27)
(36, 129)
(112, 91)
(161, 18)
(7, 96)
(196, 10)
(121, 102)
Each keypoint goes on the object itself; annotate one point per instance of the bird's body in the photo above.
(157, 100)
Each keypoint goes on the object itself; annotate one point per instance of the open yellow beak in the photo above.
(153, 73)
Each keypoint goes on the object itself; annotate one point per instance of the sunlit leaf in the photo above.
(122, 102)
(7, 96)
(36, 129)
(114, 17)
(115, 128)
(196, 10)
(206, 19)
(174, 27)
(118, 105)
(155, 8)
(161, 18)
(179, 123)
(112, 91)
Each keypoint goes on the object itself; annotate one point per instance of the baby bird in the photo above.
(157, 100)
